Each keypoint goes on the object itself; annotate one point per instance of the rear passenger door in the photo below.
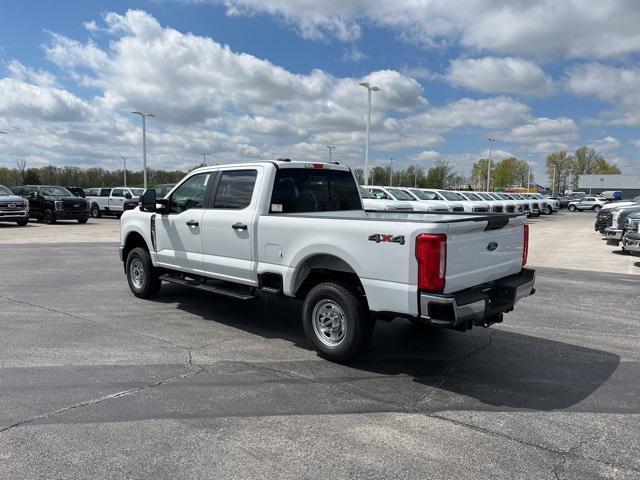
(116, 200)
(228, 226)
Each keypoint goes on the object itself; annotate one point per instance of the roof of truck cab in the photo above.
(278, 164)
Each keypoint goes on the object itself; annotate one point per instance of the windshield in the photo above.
(423, 195)
(484, 196)
(55, 191)
(399, 194)
(5, 191)
(502, 196)
(451, 195)
(471, 196)
(365, 193)
(138, 192)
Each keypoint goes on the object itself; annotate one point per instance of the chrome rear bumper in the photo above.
(481, 305)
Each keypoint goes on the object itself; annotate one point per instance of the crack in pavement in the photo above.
(104, 398)
(102, 324)
(571, 452)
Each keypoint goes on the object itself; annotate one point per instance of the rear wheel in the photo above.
(141, 274)
(336, 321)
(572, 208)
(95, 211)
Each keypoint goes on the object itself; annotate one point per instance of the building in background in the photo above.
(629, 185)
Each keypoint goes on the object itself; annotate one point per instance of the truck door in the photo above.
(228, 226)
(179, 232)
(116, 200)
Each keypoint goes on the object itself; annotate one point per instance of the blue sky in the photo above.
(247, 79)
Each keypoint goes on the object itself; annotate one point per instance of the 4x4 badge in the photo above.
(381, 237)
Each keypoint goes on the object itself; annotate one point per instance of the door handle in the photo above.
(193, 223)
(239, 226)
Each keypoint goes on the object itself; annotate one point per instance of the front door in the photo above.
(179, 232)
(116, 201)
(228, 226)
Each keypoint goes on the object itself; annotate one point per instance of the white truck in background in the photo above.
(110, 201)
(298, 230)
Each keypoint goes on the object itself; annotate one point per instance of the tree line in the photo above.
(507, 172)
(83, 177)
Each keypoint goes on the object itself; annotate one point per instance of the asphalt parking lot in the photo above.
(95, 383)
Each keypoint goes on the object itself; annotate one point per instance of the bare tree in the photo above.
(22, 169)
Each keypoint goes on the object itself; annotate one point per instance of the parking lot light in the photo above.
(370, 88)
(144, 143)
(491, 140)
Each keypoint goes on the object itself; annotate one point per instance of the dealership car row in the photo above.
(619, 223)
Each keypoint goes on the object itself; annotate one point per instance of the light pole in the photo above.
(553, 183)
(124, 162)
(331, 149)
(144, 144)
(204, 158)
(415, 179)
(391, 172)
(370, 88)
(491, 140)
(529, 176)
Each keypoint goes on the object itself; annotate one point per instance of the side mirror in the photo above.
(149, 201)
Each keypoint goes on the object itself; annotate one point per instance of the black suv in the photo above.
(49, 203)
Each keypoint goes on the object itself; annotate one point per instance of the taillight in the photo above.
(525, 249)
(315, 165)
(431, 252)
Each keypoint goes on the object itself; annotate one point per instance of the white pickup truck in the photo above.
(110, 201)
(298, 230)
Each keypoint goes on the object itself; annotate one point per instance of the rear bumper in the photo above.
(481, 305)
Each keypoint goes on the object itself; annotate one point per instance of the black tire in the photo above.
(572, 208)
(596, 208)
(141, 274)
(548, 211)
(356, 321)
(22, 223)
(95, 211)
(82, 220)
(49, 217)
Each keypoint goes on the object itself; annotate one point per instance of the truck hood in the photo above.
(11, 198)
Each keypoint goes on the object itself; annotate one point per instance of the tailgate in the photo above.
(479, 253)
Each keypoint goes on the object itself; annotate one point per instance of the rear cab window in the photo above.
(303, 190)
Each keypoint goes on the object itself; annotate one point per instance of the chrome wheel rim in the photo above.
(137, 273)
(329, 323)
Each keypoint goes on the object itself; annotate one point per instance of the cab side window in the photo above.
(379, 194)
(235, 189)
(191, 194)
(117, 192)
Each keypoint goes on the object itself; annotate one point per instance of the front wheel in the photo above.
(141, 274)
(596, 208)
(336, 321)
(95, 211)
(49, 217)
(572, 208)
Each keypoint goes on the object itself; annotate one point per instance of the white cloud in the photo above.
(578, 28)
(607, 144)
(353, 54)
(545, 130)
(23, 73)
(499, 75)
(618, 86)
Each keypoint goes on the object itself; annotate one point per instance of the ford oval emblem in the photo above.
(12, 205)
(492, 246)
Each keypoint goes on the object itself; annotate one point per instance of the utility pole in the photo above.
(553, 184)
(391, 172)
(204, 158)
(331, 149)
(370, 88)
(491, 140)
(144, 144)
(124, 161)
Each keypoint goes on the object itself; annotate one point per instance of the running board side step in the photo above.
(227, 292)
